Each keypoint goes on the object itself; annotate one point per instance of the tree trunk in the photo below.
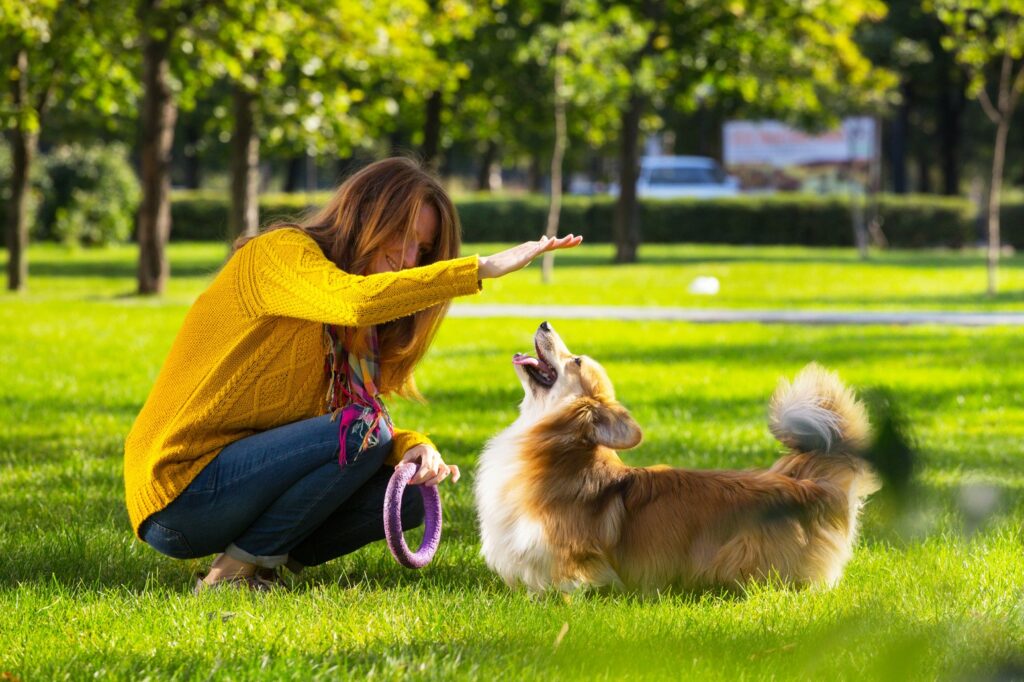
(432, 131)
(396, 141)
(998, 159)
(193, 169)
(293, 173)
(159, 113)
(952, 100)
(23, 148)
(626, 227)
(898, 142)
(244, 218)
(561, 141)
(483, 175)
(534, 177)
(924, 165)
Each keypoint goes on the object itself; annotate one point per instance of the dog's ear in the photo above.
(615, 427)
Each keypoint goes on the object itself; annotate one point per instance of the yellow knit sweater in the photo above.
(250, 356)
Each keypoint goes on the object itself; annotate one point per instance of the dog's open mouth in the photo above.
(538, 369)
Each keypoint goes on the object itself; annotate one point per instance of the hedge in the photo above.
(907, 221)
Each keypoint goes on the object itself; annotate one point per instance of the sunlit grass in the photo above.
(936, 591)
(749, 277)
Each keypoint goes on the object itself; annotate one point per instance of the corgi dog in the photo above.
(559, 509)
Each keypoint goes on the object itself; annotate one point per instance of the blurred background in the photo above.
(839, 122)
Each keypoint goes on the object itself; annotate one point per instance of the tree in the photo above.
(987, 37)
(160, 25)
(932, 95)
(53, 53)
(784, 56)
(582, 51)
(311, 78)
(452, 25)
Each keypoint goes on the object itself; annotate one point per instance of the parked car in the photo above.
(665, 177)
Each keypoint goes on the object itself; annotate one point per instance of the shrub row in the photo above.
(907, 221)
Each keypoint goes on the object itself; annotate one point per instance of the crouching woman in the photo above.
(264, 439)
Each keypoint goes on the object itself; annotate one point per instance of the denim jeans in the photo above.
(280, 497)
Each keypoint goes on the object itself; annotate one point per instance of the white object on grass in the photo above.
(704, 286)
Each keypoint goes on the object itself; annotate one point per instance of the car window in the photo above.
(685, 176)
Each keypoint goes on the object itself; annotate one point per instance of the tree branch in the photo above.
(986, 104)
(1004, 81)
(1017, 87)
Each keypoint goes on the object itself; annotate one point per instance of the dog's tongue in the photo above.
(521, 359)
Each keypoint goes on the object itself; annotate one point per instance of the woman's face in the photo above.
(399, 253)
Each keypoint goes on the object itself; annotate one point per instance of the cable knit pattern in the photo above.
(249, 356)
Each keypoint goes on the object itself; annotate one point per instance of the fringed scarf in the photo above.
(353, 396)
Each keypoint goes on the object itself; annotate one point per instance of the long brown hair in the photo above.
(374, 206)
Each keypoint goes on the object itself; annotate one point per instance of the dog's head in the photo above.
(576, 388)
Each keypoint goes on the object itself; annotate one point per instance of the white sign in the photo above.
(772, 143)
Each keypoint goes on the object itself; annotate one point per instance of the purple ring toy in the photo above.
(393, 518)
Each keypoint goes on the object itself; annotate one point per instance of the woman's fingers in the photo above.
(424, 473)
(432, 469)
(520, 256)
(567, 241)
(442, 473)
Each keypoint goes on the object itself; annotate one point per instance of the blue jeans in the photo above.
(280, 497)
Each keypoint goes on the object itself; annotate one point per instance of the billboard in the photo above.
(770, 155)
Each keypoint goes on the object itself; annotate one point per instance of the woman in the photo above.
(264, 437)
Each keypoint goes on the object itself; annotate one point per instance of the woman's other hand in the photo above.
(520, 256)
(432, 469)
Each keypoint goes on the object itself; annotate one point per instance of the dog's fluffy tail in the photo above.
(817, 414)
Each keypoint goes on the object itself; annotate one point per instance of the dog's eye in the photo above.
(578, 360)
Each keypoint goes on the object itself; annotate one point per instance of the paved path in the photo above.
(597, 312)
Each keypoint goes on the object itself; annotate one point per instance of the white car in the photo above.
(665, 177)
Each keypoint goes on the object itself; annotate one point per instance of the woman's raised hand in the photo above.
(520, 256)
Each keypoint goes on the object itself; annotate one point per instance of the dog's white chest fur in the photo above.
(514, 545)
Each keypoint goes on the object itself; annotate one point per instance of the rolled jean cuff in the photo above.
(271, 561)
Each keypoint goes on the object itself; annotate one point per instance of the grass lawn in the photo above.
(936, 591)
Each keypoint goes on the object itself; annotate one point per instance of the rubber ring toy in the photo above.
(393, 518)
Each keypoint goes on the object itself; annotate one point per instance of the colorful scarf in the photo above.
(353, 393)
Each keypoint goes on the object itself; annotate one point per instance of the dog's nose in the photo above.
(544, 326)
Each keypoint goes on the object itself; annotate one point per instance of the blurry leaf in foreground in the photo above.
(892, 453)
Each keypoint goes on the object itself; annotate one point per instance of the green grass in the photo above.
(770, 277)
(934, 592)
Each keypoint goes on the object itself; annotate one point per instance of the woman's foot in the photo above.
(225, 568)
(230, 572)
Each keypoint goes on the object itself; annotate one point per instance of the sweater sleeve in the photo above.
(403, 441)
(285, 273)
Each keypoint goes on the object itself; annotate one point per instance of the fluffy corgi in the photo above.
(559, 509)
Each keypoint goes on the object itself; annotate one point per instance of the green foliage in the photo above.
(94, 196)
(983, 32)
(77, 65)
(330, 77)
(908, 221)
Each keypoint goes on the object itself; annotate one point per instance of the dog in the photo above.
(558, 509)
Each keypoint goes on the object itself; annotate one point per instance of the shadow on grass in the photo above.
(86, 543)
(862, 644)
